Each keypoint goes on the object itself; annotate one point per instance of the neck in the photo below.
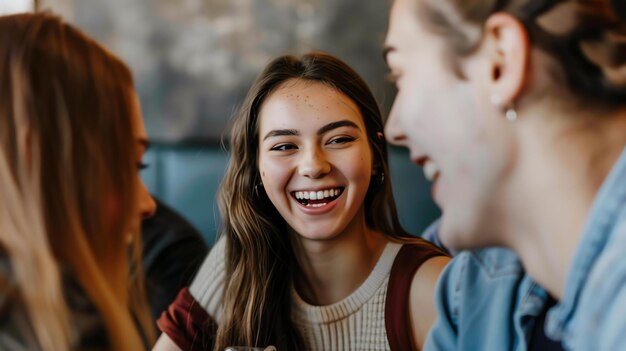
(330, 270)
(564, 169)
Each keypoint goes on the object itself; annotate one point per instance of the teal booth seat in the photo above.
(187, 177)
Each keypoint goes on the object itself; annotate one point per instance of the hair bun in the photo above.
(619, 7)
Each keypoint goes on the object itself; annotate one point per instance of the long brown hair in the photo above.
(68, 178)
(586, 39)
(259, 259)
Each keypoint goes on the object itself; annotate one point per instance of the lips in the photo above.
(317, 198)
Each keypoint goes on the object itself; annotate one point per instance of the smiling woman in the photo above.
(518, 110)
(327, 151)
(312, 255)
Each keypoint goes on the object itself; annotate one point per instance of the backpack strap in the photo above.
(408, 261)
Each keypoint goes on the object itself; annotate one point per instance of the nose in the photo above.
(147, 206)
(393, 130)
(313, 164)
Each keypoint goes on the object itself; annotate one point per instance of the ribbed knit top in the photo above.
(355, 323)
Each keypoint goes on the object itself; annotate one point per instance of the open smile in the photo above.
(317, 198)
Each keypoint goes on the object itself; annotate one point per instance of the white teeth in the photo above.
(431, 171)
(316, 195)
(316, 205)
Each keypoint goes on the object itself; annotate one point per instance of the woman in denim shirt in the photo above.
(517, 112)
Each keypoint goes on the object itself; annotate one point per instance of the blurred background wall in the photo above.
(16, 6)
(194, 60)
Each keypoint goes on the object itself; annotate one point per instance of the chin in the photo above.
(318, 234)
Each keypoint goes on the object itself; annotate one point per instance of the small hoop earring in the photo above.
(256, 189)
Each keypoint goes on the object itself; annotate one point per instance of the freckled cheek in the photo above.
(359, 172)
(273, 175)
(263, 170)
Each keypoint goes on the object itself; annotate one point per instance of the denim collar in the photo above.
(606, 207)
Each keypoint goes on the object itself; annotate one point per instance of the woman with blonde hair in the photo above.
(71, 142)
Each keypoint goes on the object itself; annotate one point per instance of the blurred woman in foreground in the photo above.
(71, 141)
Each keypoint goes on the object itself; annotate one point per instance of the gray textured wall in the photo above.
(194, 60)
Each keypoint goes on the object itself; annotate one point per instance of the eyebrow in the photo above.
(281, 132)
(323, 130)
(335, 125)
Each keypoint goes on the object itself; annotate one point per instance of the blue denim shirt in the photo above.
(485, 300)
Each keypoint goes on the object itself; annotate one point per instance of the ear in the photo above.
(509, 54)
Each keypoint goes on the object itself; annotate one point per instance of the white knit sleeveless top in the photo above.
(355, 323)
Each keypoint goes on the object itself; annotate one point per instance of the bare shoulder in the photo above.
(428, 273)
(422, 312)
(422, 291)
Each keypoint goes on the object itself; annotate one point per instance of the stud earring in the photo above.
(511, 114)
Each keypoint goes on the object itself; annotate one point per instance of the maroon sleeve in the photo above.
(188, 324)
(407, 262)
